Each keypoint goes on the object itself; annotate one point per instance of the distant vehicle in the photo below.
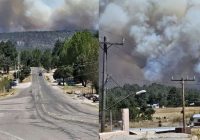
(40, 73)
(16, 81)
(59, 81)
(195, 120)
(95, 98)
(13, 83)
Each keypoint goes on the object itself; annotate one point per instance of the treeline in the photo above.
(9, 61)
(74, 58)
(35, 39)
(8, 55)
(163, 95)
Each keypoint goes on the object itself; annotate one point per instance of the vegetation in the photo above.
(81, 53)
(4, 84)
(63, 73)
(23, 73)
(76, 57)
(35, 39)
(167, 96)
(8, 54)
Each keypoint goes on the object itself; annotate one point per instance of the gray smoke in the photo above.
(22, 15)
(163, 35)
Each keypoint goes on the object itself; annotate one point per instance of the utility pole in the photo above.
(106, 46)
(182, 80)
(111, 121)
(18, 65)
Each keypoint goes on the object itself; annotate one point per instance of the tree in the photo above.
(46, 59)
(36, 58)
(82, 52)
(8, 54)
(63, 73)
(26, 57)
(56, 52)
(137, 104)
(174, 98)
(25, 72)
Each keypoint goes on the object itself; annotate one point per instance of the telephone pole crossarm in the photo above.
(183, 80)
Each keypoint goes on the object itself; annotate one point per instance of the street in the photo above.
(41, 112)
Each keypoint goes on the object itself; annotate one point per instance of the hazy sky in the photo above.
(22, 15)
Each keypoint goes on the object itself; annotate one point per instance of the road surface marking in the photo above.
(11, 135)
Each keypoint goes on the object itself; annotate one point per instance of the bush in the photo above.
(25, 72)
(5, 84)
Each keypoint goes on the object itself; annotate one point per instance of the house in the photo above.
(155, 105)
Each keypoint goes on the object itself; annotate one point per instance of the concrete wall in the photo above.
(109, 135)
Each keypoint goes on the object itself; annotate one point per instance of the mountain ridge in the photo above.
(36, 39)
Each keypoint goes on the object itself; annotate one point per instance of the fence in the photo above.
(113, 119)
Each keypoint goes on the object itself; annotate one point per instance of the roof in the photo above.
(196, 116)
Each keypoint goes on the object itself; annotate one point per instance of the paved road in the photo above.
(42, 113)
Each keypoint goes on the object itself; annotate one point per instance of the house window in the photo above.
(198, 120)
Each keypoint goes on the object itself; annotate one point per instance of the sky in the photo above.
(29, 15)
(162, 38)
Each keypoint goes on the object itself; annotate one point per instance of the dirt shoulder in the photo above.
(75, 92)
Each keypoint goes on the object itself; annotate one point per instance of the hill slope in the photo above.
(35, 39)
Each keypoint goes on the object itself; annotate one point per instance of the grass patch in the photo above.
(196, 132)
(167, 116)
(11, 92)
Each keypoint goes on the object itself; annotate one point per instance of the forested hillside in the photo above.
(35, 39)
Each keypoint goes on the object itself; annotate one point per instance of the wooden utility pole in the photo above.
(111, 121)
(106, 46)
(182, 80)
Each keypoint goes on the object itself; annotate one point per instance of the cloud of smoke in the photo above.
(165, 34)
(22, 15)
(77, 14)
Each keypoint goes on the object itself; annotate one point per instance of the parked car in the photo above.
(95, 99)
(16, 81)
(13, 83)
(195, 120)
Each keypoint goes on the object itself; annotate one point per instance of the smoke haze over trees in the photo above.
(31, 15)
(36, 39)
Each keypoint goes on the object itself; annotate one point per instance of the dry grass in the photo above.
(168, 117)
(77, 89)
(47, 78)
(9, 76)
(27, 79)
(195, 132)
(11, 92)
(143, 124)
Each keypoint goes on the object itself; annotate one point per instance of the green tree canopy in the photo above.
(36, 58)
(8, 54)
(63, 73)
(81, 52)
(46, 59)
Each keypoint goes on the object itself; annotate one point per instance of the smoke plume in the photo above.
(163, 36)
(23, 15)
